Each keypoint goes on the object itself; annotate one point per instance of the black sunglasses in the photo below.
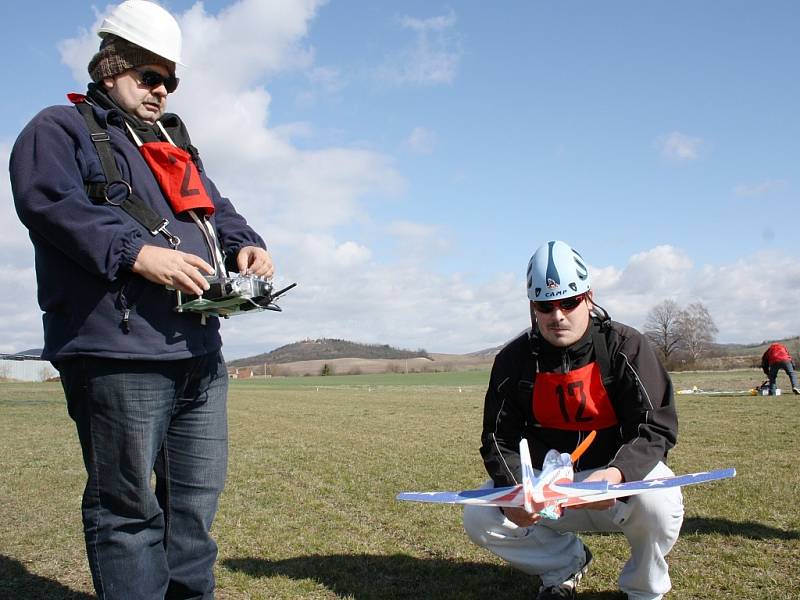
(566, 305)
(153, 79)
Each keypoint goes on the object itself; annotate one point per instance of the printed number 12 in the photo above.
(575, 390)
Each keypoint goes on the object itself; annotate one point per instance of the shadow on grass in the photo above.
(745, 529)
(369, 576)
(16, 582)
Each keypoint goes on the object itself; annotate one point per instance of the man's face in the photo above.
(136, 98)
(562, 327)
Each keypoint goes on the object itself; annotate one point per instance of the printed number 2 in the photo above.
(574, 389)
(186, 191)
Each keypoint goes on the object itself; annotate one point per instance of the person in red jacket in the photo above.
(777, 358)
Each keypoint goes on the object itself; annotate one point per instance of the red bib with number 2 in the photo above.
(576, 401)
(177, 175)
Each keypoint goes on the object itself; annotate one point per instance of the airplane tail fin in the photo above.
(528, 475)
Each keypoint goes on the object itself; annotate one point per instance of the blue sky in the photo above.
(404, 159)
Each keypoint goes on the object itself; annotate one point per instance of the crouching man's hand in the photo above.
(612, 475)
(520, 516)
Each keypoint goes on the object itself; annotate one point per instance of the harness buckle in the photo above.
(173, 239)
(107, 189)
(100, 136)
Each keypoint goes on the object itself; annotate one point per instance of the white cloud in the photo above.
(435, 24)
(764, 188)
(417, 243)
(421, 140)
(432, 58)
(301, 200)
(351, 254)
(401, 304)
(270, 181)
(20, 315)
(679, 147)
(14, 243)
(747, 299)
(246, 41)
(649, 278)
(325, 82)
(223, 100)
(289, 131)
(409, 229)
(19, 312)
(291, 196)
(77, 52)
(328, 78)
(663, 267)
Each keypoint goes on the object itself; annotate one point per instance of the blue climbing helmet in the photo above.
(556, 270)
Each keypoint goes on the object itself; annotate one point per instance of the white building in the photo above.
(25, 367)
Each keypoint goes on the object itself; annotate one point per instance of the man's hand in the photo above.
(253, 260)
(520, 516)
(173, 268)
(612, 475)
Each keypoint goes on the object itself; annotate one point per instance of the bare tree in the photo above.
(661, 327)
(697, 329)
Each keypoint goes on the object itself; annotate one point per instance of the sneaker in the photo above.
(796, 390)
(567, 589)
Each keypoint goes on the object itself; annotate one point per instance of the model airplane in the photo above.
(554, 488)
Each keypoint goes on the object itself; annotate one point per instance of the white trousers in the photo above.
(550, 549)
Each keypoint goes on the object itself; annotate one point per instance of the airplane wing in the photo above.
(631, 488)
(504, 496)
(571, 494)
(554, 486)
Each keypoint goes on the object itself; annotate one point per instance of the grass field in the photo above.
(315, 463)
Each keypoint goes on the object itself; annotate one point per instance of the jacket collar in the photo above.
(112, 114)
(540, 346)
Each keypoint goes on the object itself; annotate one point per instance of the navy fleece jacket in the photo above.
(85, 250)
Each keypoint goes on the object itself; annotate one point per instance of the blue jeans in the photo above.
(773, 375)
(136, 419)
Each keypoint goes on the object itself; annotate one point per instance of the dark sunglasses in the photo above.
(153, 79)
(565, 305)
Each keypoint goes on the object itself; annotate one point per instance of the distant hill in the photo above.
(327, 349)
(487, 352)
(792, 343)
(738, 356)
(308, 357)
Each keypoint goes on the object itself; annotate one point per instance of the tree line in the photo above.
(680, 335)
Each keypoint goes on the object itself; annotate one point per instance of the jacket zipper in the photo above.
(126, 311)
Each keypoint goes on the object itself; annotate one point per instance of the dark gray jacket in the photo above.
(641, 395)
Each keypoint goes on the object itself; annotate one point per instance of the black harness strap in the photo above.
(601, 354)
(132, 204)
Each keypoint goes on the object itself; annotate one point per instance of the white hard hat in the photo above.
(147, 25)
(555, 271)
